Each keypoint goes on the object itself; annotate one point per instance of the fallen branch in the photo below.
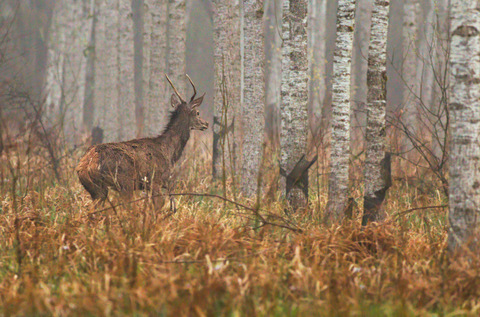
(255, 211)
(405, 212)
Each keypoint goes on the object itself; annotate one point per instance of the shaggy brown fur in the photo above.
(140, 164)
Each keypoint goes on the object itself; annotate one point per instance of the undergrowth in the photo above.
(214, 258)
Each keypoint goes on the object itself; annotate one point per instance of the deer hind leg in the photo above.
(99, 197)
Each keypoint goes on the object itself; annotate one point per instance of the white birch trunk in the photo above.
(88, 102)
(147, 29)
(111, 51)
(101, 74)
(464, 109)
(56, 58)
(361, 38)
(227, 82)
(126, 81)
(409, 70)
(176, 36)
(155, 92)
(439, 102)
(254, 96)
(294, 121)
(425, 67)
(67, 69)
(340, 145)
(376, 183)
(318, 39)
(273, 67)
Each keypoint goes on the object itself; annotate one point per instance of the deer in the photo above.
(143, 163)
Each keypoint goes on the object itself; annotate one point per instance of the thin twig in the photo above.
(405, 212)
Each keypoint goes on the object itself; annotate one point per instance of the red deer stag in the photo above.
(141, 164)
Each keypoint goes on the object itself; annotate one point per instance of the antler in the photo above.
(174, 89)
(194, 89)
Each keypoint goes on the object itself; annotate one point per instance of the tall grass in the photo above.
(215, 259)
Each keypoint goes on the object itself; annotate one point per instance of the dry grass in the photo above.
(208, 259)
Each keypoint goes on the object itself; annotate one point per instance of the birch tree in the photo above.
(100, 65)
(88, 103)
(361, 38)
(318, 39)
(56, 57)
(110, 113)
(273, 13)
(254, 95)
(227, 81)
(176, 36)
(411, 9)
(154, 66)
(340, 145)
(126, 88)
(377, 163)
(294, 121)
(464, 109)
(67, 66)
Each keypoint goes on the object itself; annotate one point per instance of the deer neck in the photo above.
(177, 135)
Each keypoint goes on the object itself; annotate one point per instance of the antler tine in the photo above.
(193, 85)
(174, 89)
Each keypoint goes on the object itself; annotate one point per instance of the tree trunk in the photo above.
(361, 38)
(340, 145)
(464, 109)
(294, 121)
(126, 89)
(176, 36)
(409, 117)
(318, 39)
(154, 66)
(254, 96)
(273, 67)
(227, 83)
(67, 70)
(56, 58)
(377, 163)
(89, 102)
(100, 64)
(111, 50)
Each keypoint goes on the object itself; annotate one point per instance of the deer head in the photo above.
(190, 109)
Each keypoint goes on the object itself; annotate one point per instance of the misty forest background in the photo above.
(337, 176)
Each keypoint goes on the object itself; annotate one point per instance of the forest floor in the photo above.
(215, 258)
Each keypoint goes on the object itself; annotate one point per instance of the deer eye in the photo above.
(198, 112)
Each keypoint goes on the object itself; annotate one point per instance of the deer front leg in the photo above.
(157, 197)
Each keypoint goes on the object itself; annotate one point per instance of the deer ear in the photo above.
(197, 102)
(174, 101)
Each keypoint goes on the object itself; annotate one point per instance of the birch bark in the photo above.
(155, 107)
(67, 69)
(361, 38)
(101, 74)
(273, 68)
(254, 96)
(227, 82)
(376, 162)
(409, 70)
(340, 145)
(464, 109)
(126, 81)
(56, 57)
(146, 47)
(88, 103)
(176, 35)
(318, 39)
(111, 51)
(294, 121)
